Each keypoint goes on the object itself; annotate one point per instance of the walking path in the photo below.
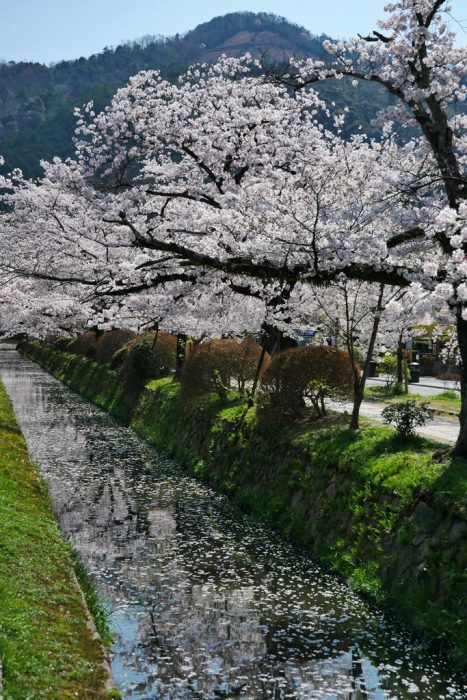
(427, 386)
(444, 429)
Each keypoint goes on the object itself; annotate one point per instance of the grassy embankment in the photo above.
(445, 402)
(376, 508)
(48, 649)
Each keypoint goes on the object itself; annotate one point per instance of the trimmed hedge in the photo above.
(214, 365)
(302, 377)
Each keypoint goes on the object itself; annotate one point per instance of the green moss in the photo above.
(99, 612)
(46, 647)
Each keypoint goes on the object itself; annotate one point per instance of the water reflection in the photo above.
(205, 602)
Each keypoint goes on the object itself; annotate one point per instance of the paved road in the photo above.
(443, 429)
(428, 386)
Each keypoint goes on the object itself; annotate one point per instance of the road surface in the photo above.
(428, 386)
(441, 428)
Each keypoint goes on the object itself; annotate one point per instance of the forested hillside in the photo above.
(37, 101)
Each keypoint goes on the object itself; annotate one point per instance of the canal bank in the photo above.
(379, 511)
(48, 645)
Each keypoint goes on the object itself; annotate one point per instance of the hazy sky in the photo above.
(51, 30)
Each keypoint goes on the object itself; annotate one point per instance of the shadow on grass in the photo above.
(398, 443)
(9, 428)
(451, 486)
(378, 454)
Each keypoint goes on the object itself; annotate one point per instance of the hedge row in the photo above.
(290, 384)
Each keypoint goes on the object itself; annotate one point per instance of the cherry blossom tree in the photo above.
(230, 173)
(223, 181)
(358, 316)
(414, 57)
(62, 263)
(229, 181)
(245, 210)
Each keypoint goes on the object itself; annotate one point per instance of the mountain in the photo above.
(262, 35)
(37, 101)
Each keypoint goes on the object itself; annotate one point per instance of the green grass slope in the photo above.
(47, 647)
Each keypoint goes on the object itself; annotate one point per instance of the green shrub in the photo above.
(407, 415)
(449, 395)
(388, 368)
(298, 377)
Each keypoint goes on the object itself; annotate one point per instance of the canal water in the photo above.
(205, 602)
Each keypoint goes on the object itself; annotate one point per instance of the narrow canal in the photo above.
(205, 602)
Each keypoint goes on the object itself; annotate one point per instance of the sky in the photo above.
(54, 30)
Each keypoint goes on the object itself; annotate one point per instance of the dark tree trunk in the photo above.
(275, 340)
(460, 448)
(360, 379)
(401, 369)
(180, 355)
(259, 367)
(156, 335)
(322, 405)
(400, 362)
(359, 392)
